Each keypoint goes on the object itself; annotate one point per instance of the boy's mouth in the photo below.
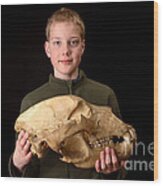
(65, 61)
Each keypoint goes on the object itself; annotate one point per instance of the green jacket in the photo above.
(50, 166)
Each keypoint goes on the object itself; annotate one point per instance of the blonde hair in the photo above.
(65, 15)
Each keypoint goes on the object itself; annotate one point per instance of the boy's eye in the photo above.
(57, 43)
(74, 43)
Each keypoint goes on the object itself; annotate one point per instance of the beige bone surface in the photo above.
(76, 129)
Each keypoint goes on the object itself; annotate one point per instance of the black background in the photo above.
(119, 53)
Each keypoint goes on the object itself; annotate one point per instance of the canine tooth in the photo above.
(125, 144)
(131, 131)
(127, 138)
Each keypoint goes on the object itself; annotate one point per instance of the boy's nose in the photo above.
(66, 50)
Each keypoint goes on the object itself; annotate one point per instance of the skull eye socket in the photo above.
(43, 143)
(117, 139)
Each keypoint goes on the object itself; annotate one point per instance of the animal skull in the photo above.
(76, 129)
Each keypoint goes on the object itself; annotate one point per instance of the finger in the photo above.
(107, 157)
(102, 160)
(26, 135)
(21, 134)
(114, 160)
(26, 148)
(97, 165)
(18, 141)
(123, 163)
(24, 139)
(28, 156)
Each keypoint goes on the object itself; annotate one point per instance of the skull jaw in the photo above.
(82, 155)
(94, 155)
(77, 150)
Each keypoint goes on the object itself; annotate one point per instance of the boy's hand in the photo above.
(108, 161)
(22, 154)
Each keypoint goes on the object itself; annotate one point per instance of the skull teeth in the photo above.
(103, 142)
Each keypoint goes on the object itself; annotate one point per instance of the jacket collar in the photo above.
(53, 80)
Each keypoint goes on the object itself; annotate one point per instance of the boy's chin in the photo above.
(67, 73)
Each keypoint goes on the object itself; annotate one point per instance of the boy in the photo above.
(65, 33)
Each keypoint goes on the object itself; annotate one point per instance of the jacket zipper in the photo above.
(69, 87)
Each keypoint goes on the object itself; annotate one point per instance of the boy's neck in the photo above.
(72, 76)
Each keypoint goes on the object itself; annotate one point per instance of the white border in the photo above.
(5, 2)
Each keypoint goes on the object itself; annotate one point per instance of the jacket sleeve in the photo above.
(118, 175)
(13, 171)
(25, 104)
(31, 170)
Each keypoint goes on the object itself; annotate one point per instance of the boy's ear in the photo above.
(83, 46)
(47, 49)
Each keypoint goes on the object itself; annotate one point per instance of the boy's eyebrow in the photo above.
(56, 38)
(75, 37)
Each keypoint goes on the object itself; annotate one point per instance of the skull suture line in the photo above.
(76, 129)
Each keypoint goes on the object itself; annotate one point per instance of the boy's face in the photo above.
(64, 48)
